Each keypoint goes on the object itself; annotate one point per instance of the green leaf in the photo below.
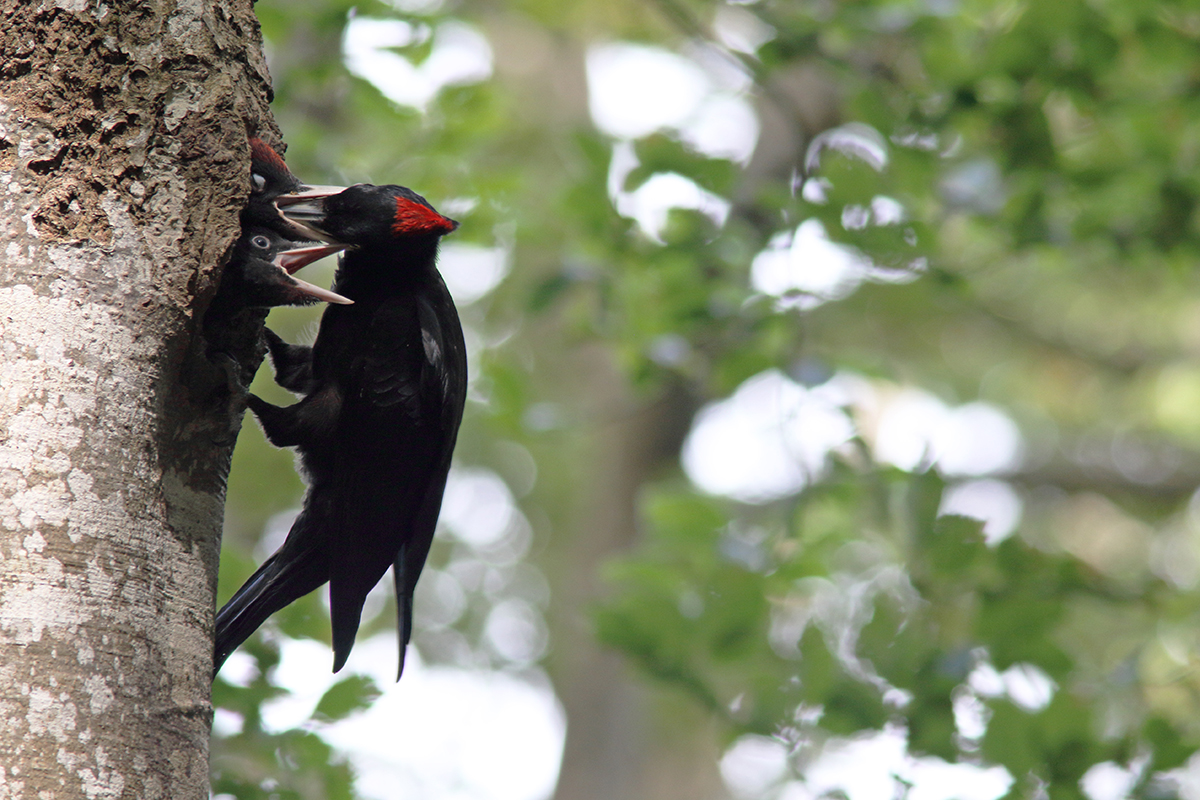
(345, 697)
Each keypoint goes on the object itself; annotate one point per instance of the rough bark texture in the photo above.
(123, 161)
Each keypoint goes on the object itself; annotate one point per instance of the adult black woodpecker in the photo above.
(383, 388)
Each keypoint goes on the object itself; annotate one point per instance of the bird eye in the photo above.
(261, 242)
(258, 182)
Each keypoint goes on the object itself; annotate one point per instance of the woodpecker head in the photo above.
(270, 178)
(267, 261)
(364, 215)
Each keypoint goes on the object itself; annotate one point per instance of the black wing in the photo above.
(402, 407)
(445, 350)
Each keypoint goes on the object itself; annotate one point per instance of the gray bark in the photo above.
(123, 161)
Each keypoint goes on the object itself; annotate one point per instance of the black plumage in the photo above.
(383, 392)
(259, 272)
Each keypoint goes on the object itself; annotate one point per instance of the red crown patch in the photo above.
(414, 218)
(261, 151)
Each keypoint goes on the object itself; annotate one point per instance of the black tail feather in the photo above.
(281, 579)
(404, 604)
(346, 598)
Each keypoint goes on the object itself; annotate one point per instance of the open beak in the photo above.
(291, 260)
(308, 193)
(303, 209)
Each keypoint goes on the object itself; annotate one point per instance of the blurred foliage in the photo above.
(1045, 156)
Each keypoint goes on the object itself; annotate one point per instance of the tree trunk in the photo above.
(123, 162)
(620, 743)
